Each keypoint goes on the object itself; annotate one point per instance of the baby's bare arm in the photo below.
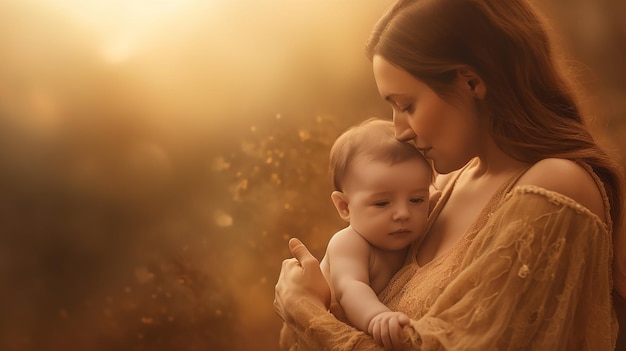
(348, 255)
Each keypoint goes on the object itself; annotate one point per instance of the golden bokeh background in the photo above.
(156, 155)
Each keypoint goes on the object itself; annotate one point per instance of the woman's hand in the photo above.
(300, 277)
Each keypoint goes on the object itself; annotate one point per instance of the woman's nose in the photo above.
(402, 127)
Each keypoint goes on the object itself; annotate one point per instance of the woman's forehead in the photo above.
(392, 81)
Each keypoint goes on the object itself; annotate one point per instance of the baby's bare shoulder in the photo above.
(347, 239)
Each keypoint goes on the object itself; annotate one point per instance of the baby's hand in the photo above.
(386, 328)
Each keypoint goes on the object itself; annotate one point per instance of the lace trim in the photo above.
(559, 199)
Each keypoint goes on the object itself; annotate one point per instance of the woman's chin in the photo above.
(442, 167)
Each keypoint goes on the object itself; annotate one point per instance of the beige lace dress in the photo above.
(532, 273)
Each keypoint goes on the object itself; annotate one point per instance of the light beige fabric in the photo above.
(533, 273)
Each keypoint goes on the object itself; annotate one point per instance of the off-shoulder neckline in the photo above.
(557, 198)
(506, 190)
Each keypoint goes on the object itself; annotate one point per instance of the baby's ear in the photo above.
(341, 204)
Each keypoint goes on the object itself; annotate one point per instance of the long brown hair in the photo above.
(531, 108)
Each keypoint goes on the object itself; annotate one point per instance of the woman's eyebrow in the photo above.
(391, 98)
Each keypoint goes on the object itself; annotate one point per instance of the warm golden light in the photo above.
(121, 26)
(156, 156)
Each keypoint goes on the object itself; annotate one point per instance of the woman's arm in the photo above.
(300, 278)
(302, 299)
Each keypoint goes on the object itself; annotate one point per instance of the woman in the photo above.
(525, 246)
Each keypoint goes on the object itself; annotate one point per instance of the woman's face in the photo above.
(449, 134)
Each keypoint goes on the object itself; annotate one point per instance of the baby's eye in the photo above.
(381, 203)
(416, 200)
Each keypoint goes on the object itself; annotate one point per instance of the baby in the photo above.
(382, 191)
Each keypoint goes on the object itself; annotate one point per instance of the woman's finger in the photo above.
(300, 277)
(301, 253)
(290, 262)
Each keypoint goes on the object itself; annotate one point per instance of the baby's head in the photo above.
(374, 140)
(381, 185)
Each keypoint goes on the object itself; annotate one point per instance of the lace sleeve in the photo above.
(316, 329)
(537, 277)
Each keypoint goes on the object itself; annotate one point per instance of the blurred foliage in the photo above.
(153, 163)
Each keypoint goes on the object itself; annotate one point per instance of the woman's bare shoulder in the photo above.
(567, 178)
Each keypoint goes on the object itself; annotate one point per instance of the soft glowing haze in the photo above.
(156, 155)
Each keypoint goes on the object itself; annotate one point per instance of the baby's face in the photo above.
(388, 204)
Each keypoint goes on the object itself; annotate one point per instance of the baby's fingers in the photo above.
(386, 329)
(396, 333)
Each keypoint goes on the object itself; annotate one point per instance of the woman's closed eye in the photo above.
(407, 109)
